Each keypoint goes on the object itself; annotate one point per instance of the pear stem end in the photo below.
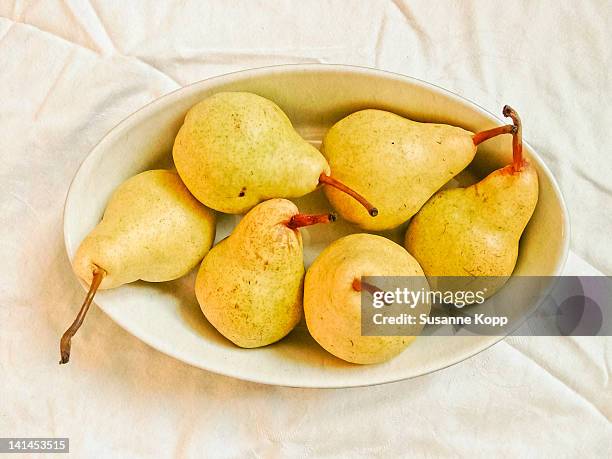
(301, 220)
(66, 341)
(359, 285)
(481, 136)
(327, 180)
(517, 138)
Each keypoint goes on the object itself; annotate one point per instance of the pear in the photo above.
(475, 231)
(250, 284)
(153, 229)
(237, 149)
(332, 296)
(395, 162)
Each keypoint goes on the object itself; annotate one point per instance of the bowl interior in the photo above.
(167, 315)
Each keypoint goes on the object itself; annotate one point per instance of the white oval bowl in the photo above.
(314, 96)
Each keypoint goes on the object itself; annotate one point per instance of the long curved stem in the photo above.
(517, 138)
(65, 342)
(301, 220)
(480, 137)
(327, 180)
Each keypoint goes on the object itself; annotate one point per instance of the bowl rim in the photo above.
(134, 117)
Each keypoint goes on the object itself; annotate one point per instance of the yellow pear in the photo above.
(237, 149)
(475, 231)
(153, 229)
(250, 284)
(332, 296)
(394, 162)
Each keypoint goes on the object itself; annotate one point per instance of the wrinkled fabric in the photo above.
(71, 70)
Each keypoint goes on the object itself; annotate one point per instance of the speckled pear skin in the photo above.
(153, 229)
(250, 285)
(475, 231)
(332, 307)
(394, 162)
(237, 149)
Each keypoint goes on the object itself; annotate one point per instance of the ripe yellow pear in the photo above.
(394, 162)
(332, 296)
(250, 285)
(153, 229)
(237, 149)
(475, 231)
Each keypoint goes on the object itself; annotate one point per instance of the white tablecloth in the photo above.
(70, 70)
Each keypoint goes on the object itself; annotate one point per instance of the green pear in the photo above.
(237, 149)
(250, 284)
(395, 162)
(153, 229)
(475, 231)
(332, 296)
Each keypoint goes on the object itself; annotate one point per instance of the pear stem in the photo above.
(327, 180)
(301, 220)
(65, 342)
(359, 285)
(480, 137)
(517, 138)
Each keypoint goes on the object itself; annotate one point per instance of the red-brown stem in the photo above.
(517, 138)
(327, 180)
(65, 342)
(301, 220)
(359, 285)
(480, 137)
